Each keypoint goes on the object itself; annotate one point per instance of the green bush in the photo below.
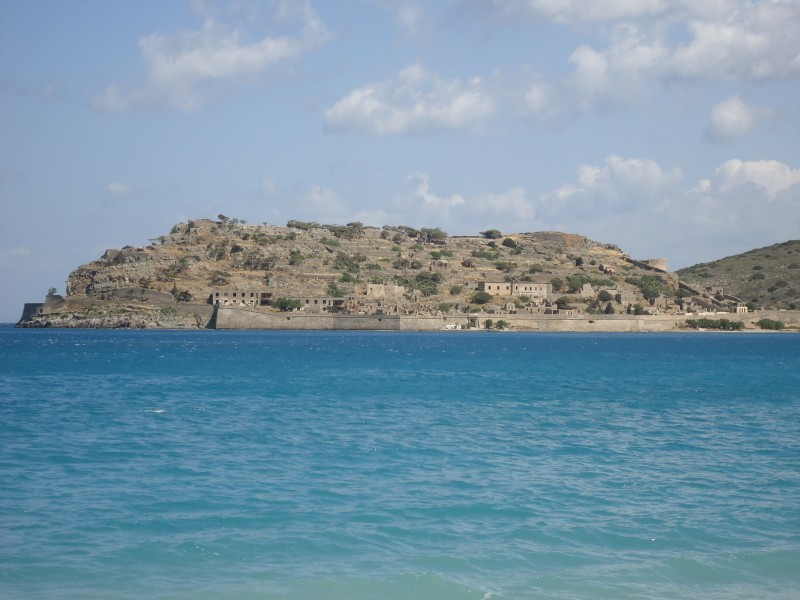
(770, 324)
(721, 324)
(604, 296)
(481, 297)
(286, 304)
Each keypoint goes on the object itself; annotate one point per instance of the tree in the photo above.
(52, 291)
(579, 262)
(286, 304)
(609, 309)
(604, 296)
(334, 291)
(563, 303)
(481, 297)
(492, 234)
(433, 236)
(488, 323)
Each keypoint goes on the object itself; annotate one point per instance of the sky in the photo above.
(668, 127)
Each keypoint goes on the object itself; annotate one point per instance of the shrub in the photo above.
(563, 303)
(501, 324)
(286, 304)
(492, 234)
(345, 263)
(445, 307)
(604, 296)
(721, 324)
(770, 324)
(488, 323)
(504, 265)
(456, 290)
(334, 291)
(481, 297)
(509, 243)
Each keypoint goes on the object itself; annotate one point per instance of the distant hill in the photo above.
(767, 277)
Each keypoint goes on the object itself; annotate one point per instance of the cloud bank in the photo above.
(181, 68)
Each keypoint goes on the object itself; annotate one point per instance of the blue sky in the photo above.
(671, 128)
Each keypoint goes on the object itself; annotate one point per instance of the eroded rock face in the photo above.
(132, 319)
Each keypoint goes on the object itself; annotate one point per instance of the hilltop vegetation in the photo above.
(765, 277)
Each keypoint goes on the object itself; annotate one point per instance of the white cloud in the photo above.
(181, 66)
(769, 177)
(622, 185)
(542, 101)
(732, 119)
(510, 210)
(119, 189)
(651, 43)
(568, 12)
(408, 15)
(415, 101)
(432, 200)
(647, 210)
(319, 203)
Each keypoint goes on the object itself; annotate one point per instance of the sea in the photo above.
(393, 465)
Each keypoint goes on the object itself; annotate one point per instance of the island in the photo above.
(227, 274)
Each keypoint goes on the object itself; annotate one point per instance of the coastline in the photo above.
(250, 318)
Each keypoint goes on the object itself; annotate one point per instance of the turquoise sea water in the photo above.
(344, 465)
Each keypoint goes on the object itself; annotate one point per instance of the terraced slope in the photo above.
(765, 277)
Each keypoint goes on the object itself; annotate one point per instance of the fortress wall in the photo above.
(250, 318)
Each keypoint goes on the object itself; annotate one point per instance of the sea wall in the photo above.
(239, 317)
(255, 318)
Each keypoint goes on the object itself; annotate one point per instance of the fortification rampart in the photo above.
(250, 318)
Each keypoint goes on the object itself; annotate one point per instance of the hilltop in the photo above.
(354, 269)
(765, 277)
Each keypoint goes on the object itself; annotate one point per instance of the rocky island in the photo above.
(228, 274)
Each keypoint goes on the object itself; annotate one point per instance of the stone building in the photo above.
(236, 297)
(520, 288)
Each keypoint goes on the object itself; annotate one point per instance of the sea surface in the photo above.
(349, 465)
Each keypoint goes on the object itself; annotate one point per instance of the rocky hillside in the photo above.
(171, 281)
(765, 277)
